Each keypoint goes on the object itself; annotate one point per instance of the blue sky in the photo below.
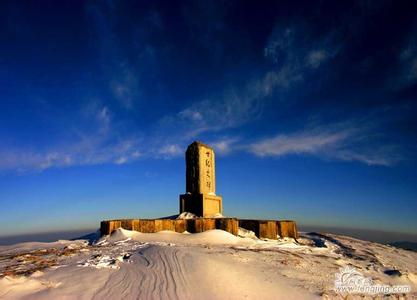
(310, 107)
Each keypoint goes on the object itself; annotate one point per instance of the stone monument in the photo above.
(200, 197)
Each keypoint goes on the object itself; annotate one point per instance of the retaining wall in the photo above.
(262, 228)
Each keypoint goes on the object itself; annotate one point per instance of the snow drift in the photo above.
(209, 265)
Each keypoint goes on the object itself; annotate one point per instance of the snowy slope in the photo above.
(208, 265)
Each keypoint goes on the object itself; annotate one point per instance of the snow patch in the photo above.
(12, 287)
(212, 237)
(186, 215)
(216, 216)
(245, 233)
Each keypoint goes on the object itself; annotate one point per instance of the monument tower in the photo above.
(200, 198)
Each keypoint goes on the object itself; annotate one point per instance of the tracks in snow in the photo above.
(155, 272)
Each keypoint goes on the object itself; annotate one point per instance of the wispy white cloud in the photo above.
(294, 53)
(230, 110)
(382, 155)
(309, 142)
(331, 143)
(226, 145)
(344, 142)
(125, 86)
(190, 114)
(99, 144)
(120, 74)
(408, 62)
(291, 59)
(316, 57)
(238, 105)
(103, 117)
(282, 78)
(79, 154)
(405, 72)
(170, 151)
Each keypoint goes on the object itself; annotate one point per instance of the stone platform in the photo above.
(269, 229)
(262, 228)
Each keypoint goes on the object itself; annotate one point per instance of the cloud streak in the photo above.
(308, 142)
(292, 59)
(99, 144)
(295, 54)
(80, 154)
(292, 53)
(345, 144)
(408, 62)
(225, 146)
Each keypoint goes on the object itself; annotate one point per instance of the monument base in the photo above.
(264, 229)
(202, 205)
(230, 225)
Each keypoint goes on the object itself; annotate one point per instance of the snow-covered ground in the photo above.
(209, 265)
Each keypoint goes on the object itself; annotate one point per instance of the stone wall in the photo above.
(262, 228)
(155, 225)
(287, 228)
(269, 229)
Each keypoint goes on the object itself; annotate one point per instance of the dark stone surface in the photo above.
(393, 273)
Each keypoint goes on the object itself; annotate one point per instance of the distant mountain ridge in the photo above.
(412, 246)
